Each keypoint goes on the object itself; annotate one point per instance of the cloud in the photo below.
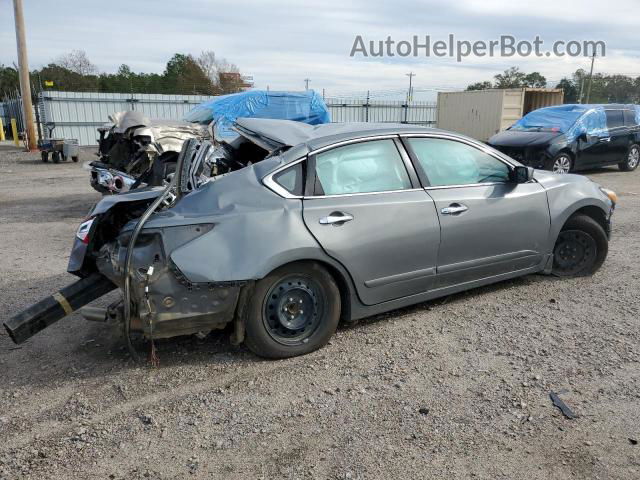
(283, 43)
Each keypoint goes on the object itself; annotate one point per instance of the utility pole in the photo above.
(581, 90)
(25, 83)
(593, 59)
(410, 92)
(306, 83)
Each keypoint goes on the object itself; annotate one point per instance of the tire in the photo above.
(75, 159)
(275, 322)
(44, 156)
(581, 248)
(55, 156)
(633, 159)
(561, 163)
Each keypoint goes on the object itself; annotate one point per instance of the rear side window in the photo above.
(449, 163)
(367, 167)
(630, 118)
(614, 118)
(292, 179)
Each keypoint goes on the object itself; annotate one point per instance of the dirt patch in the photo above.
(454, 388)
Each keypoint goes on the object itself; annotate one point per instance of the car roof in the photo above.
(291, 133)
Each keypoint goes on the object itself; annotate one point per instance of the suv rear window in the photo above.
(630, 118)
(614, 118)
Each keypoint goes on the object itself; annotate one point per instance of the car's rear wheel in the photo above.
(633, 159)
(293, 310)
(581, 248)
(561, 163)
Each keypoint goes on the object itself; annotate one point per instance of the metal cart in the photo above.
(59, 148)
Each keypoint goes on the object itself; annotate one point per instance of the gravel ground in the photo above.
(454, 388)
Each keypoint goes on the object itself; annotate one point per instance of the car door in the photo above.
(489, 224)
(618, 142)
(592, 146)
(364, 210)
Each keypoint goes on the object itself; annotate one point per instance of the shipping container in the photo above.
(481, 114)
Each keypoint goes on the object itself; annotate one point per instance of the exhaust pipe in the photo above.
(48, 311)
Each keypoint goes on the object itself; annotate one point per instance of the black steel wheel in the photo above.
(633, 159)
(293, 311)
(44, 155)
(55, 156)
(75, 159)
(581, 248)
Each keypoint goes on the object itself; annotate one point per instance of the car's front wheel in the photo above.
(294, 310)
(633, 159)
(581, 248)
(561, 163)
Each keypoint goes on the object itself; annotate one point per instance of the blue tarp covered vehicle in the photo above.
(568, 138)
(307, 107)
(572, 119)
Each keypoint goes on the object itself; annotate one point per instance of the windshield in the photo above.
(553, 119)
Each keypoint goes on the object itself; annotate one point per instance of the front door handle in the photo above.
(454, 209)
(605, 139)
(336, 218)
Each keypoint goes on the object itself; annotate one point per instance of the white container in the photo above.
(481, 114)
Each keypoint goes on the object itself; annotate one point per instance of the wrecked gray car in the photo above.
(324, 224)
(134, 150)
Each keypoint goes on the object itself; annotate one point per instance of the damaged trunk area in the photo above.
(112, 249)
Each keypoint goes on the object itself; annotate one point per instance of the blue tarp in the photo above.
(307, 107)
(571, 119)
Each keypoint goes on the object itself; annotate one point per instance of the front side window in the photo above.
(447, 163)
(367, 167)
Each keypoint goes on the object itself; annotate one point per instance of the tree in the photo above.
(9, 81)
(184, 75)
(209, 65)
(534, 79)
(77, 62)
(570, 90)
(619, 89)
(65, 79)
(480, 86)
(510, 78)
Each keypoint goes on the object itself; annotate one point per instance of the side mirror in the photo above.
(522, 174)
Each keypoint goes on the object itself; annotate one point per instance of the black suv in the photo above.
(566, 138)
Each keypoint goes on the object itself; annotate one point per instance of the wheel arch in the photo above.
(339, 275)
(589, 209)
(596, 213)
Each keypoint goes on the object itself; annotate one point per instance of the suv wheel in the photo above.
(633, 159)
(581, 248)
(293, 310)
(561, 163)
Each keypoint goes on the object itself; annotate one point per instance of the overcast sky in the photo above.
(283, 43)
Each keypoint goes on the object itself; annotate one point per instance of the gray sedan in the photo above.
(328, 223)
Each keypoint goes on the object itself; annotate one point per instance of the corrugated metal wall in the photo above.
(78, 114)
(419, 113)
(474, 113)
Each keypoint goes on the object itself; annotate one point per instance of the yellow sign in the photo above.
(2, 139)
(48, 83)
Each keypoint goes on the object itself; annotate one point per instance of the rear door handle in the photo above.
(605, 139)
(454, 209)
(336, 218)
